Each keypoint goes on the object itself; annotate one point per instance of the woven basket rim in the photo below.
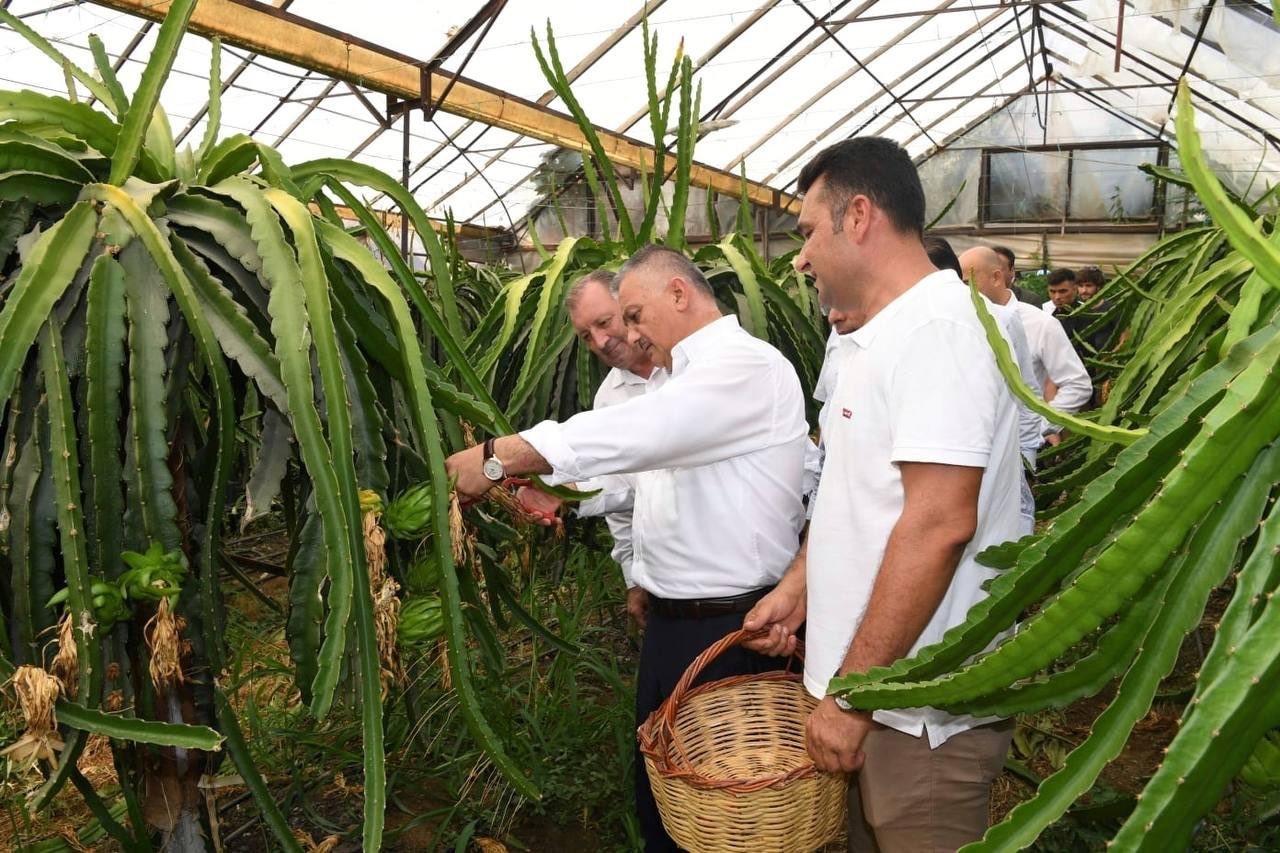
(655, 738)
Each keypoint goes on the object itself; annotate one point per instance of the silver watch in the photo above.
(842, 704)
(493, 468)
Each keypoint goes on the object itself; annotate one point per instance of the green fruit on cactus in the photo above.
(154, 575)
(421, 620)
(424, 573)
(409, 515)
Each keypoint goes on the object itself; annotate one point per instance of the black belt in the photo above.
(705, 608)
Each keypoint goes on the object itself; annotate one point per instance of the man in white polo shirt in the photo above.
(921, 474)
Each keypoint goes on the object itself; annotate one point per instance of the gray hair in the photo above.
(602, 277)
(670, 261)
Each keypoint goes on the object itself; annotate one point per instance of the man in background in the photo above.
(1007, 264)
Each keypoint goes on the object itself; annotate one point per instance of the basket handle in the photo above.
(702, 661)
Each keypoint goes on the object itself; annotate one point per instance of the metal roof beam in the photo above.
(1088, 32)
(293, 39)
(853, 113)
(961, 131)
(834, 84)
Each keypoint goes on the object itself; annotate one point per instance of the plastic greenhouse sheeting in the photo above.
(779, 80)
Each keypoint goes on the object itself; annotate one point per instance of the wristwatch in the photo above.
(493, 469)
(842, 704)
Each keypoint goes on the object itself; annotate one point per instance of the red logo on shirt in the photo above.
(846, 413)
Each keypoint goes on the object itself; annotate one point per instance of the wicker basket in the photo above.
(728, 766)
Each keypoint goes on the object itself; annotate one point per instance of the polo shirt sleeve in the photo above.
(943, 394)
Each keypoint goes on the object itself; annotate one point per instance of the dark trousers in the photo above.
(670, 645)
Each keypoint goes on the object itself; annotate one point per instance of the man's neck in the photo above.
(1002, 296)
(897, 278)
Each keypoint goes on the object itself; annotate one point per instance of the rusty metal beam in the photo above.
(296, 40)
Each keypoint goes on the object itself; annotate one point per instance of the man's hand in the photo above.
(638, 606)
(834, 737)
(466, 468)
(1053, 439)
(540, 506)
(781, 612)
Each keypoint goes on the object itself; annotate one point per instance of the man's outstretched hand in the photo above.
(543, 508)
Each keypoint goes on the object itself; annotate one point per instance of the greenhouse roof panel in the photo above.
(779, 79)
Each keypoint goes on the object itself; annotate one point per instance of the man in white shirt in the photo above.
(921, 474)
(1059, 373)
(717, 457)
(597, 319)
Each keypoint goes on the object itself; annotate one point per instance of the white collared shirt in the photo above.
(718, 457)
(617, 387)
(919, 384)
(1053, 357)
(1048, 307)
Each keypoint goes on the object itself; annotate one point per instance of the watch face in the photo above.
(493, 469)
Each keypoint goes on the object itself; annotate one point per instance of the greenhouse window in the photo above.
(1080, 183)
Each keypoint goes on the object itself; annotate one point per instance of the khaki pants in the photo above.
(908, 798)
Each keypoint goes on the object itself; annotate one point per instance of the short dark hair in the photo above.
(1006, 253)
(1092, 275)
(942, 255)
(669, 260)
(873, 166)
(1060, 275)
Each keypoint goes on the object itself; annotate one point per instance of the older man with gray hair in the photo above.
(596, 317)
(717, 455)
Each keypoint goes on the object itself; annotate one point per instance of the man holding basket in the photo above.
(921, 474)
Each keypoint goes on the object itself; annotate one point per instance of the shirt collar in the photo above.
(618, 377)
(865, 335)
(702, 341)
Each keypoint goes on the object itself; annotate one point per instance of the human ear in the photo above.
(857, 216)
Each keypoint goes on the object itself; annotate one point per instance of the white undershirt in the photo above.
(617, 387)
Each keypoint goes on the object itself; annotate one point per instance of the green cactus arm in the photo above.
(1183, 607)
(104, 362)
(237, 336)
(554, 72)
(119, 101)
(1211, 744)
(1009, 369)
(1056, 553)
(289, 324)
(548, 317)
(64, 457)
(146, 98)
(1256, 578)
(1215, 540)
(1247, 238)
(49, 268)
(147, 308)
(355, 584)
(345, 248)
